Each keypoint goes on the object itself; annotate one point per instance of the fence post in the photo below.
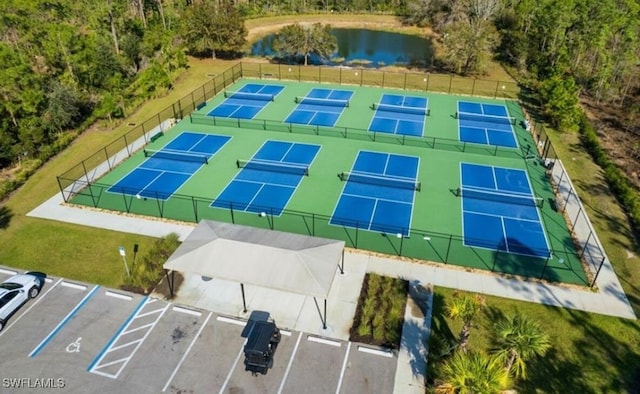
(597, 273)
(450, 83)
(195, 208)
(446, 257)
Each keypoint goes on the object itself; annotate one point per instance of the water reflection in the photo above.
(363, 47)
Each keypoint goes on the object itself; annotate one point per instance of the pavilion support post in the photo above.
(170, 281)
(323, 316)
(244, 302)
(324, 321)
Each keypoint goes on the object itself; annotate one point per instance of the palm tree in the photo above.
(473, 373)
(517, 340)
(465, 307)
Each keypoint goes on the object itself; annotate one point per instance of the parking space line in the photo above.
(97, 364)
(233, 367)
(30, 307)
(118, 295)
(184, 356)
(378, 352)
(286, 372)
(74, 285)
(232, 321)
(62, 323)
(187, 311)
(344, 368)
(138, 328)
(123, 345)
(286, 333)
(117, 334)
(8, 272)
(313, 338)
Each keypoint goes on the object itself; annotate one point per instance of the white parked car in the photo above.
(17, 290)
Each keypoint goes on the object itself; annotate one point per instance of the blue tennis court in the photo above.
(267, 181)
(398, 114)
(500, 212)
(488, 124)
(378, 194)
(320, 107)
(246, 102)
(166, 170)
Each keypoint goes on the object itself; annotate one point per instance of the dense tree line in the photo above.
(67, 63)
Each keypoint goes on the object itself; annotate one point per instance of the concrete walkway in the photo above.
(301, 313)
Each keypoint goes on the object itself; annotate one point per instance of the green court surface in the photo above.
(436, 228)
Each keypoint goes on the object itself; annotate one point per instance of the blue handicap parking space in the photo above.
(399, 114)
(379, 193)
(166, 170)
(247, 102)
(268, 180)
(488, 124)
(500, 212)
(320, 107)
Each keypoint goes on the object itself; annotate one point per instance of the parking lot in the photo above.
(86, 338)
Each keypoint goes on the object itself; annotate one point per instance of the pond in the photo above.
(365, 48)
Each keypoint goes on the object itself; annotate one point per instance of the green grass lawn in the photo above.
(590, 353)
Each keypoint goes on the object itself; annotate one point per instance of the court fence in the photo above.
(80, 183)
(429, 142)
(444, 83)
(588, 246)
(423, 244)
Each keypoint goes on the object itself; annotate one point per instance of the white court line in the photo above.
(286, 372)
(184, 356)
(344, 368)
(118, 295)
(312, 338)
(378, 352)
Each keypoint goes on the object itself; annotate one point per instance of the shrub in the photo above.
(145, 273)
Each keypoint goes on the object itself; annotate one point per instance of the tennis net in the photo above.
(401, 108)
(322, 101)
(397, 183)
(516, 199)
(174, 155)
(486, 118)
(274, 166)
(249, 96)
